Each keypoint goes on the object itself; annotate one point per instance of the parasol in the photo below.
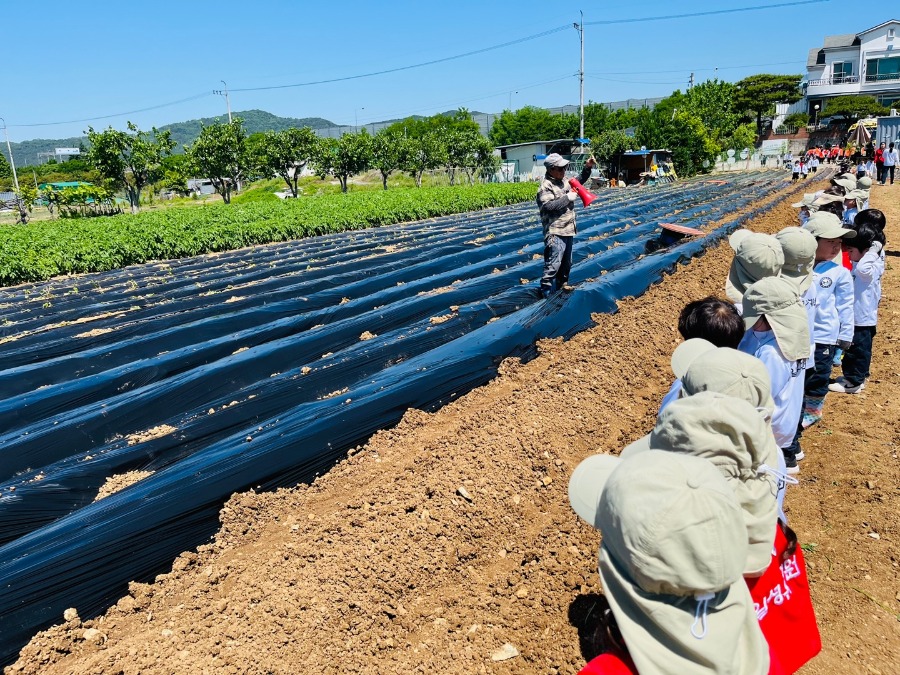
(860, 136)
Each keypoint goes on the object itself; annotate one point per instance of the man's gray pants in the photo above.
(557, 262)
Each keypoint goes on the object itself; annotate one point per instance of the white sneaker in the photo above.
(846, 388)
(800, 456)
(792, 470)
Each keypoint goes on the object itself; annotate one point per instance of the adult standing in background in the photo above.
(556, 201)
(891, 160)
(879, 162)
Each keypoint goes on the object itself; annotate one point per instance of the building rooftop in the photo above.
(816, 55)
(837, 41)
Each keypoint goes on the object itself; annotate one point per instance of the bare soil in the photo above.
(451, 535)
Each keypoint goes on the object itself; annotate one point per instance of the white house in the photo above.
(866, 63)
(525, 161)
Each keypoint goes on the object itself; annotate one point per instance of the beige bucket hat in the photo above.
(824, 225)
(737, 438)
(823, 199)
(670, 561)
(701, 366)
(755, 256)
(807, 201)
(846, 181)
(799, 248)
(777, 299)
(864, 183)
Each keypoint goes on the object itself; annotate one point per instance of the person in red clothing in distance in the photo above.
(879, 161)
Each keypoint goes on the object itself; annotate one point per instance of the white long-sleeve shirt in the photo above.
(787, 378)
(834, 303)
(810, 302)
(891, 157)
(867, 275)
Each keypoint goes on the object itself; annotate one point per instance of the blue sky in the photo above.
(68, 61)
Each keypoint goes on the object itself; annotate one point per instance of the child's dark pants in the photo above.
(858, 358)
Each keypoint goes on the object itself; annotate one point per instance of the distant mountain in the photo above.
(183, 133)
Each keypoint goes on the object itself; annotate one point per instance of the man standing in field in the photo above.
(556, 201)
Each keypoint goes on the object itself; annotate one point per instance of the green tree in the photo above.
(486, 161)
(462, 149)
(220, 154)
(853, 107)
(758, 94)
(388, 152)
(797, 119)
(423, 153)
(129, 160)
(343, 157)
(690, 143)
(531, 124)
(743, 137)
(285, 153)
(607, 144)
(5, 168)
(176, 170)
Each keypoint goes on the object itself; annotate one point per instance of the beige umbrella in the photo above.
(860, 136)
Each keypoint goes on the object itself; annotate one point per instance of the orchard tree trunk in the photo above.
(134, 198)
(292, 186)
(384, 177)
(23, 213)
(419, 178)
(343, 179)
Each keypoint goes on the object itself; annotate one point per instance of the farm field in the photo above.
(383, 563)
(44, 249)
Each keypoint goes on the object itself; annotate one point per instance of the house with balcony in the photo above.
(865, 63)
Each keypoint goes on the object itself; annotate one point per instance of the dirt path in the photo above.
(450, 535)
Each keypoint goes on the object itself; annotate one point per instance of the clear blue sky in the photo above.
(72, 61)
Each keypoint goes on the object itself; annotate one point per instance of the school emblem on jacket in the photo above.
(826, 282)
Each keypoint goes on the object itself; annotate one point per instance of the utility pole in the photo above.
(224, 92)
(580, 28)
(12, 162)
(691, 82)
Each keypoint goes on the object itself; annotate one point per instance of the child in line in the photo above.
(864, 185)
(831, 202)
(834, 321)
(711, 319)
(703, 367)
(799, 248)
(778, 335)
(795, 175)
(755, 256)
(675, 608)
(852, 202)
(868, 267)
(804, 205)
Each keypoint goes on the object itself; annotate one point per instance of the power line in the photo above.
(609, 22)
(611, 79)
(689, 69)
(558, 29)
(122, 114)
(406, 112)
(445, 59)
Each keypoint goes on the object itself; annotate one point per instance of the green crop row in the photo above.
(45, 249)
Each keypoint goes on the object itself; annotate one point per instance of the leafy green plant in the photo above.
(797, 120)
(70, 246)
